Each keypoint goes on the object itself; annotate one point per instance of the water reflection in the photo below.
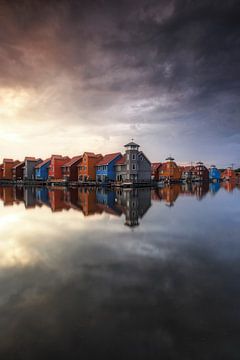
(133, 203)
(76, 283)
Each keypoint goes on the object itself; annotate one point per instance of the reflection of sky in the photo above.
(90, 286)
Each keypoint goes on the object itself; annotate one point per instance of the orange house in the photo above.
(55, 167)
(87, 166)
(229, 174)
(169, 170)
(87, 200)
(8, 164)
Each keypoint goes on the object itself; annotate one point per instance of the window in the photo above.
(134, 156)
(134, 166)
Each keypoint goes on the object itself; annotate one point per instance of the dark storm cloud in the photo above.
(139, 62)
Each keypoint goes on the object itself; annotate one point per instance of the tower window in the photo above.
(133, 156)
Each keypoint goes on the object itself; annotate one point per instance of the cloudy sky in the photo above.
(89, 75)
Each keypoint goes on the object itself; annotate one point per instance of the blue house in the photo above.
(105, 169)
(41, 170)
(214, 173)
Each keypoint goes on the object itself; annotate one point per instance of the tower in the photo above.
(132, 150)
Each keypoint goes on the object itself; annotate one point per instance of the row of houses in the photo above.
(171, 172)
(131, 167)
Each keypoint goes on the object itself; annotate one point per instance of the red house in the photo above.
(70, 169)
(8, 164)
(1, 171)
(200, 172)
(55, 168)
(17, 171)
(155, 170)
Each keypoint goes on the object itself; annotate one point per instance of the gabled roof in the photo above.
(155, 165)
(108, 158)
(121, 161)
(19, 164)
(72, 161)
(38, 166)
(7, 160)
(142, 154)
(29, 158)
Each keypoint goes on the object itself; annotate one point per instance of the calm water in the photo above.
(139, 274)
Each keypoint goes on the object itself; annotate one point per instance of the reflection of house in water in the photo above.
(87, 201)
(42, 196)
(168, 194)
(200, 190)
(214, 187)
(29, 194)
(134, 203)
(18, 194)
(7, 196)
(106, 202)
(71, 198)
(57, 199)
(229, 186)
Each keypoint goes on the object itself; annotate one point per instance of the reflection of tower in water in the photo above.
(135, 203)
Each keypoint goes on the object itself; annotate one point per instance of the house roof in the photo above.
(155, 165)
(108, 158)
(7, 160)
(121, 161)
(29, 158)
(38, 166)
(73, 160)
(131, 144)
(19, 164)
(142, 154)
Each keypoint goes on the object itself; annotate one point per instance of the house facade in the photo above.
(8, 164)
(105, 168)
(29, 167)
(200, 172)
(55, 167)
(187, 172)
(17, 171)
(214, 173)
(134, 166)
(87, 166)
(155, 170)
(70, 169)
(228, 174)
(169, 171)
(41, 170)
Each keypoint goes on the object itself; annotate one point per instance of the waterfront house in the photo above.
(87, 166)
(57, 199)
(29, 168)
(169, 171)
(41, 170)
(155, 170)
(1, 171)
(55, 167)
(105, 168)
(228, 174)
(70, 169)
(17, 171)
(133, 166)
(8, 164)
(187, 172)
(214, 173)
(200, 172)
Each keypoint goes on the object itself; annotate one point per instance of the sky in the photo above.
(89, 75)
